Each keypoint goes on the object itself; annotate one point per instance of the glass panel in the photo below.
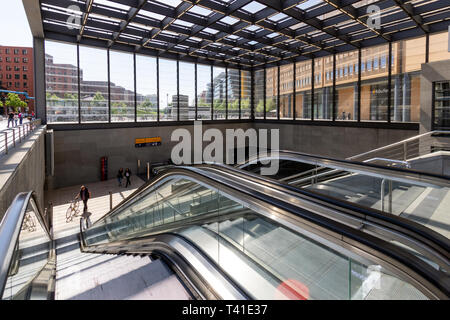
(187, 91)
(94, 84)
(29, 258)
(286, 91)
(408, 55)
(246, 91)
(233, 93)
(121, 86)
(168, 90)
(441, 105)
(220, 91)
(259, 94)
(374, 84)
(204, 94)
(271, 92)
(61, 82)
(303, 90)
(323, 91)
(266, 258)
(146, 88)
(439, 47)
(346, 85)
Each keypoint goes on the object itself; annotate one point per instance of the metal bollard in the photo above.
(14, 138)
(110, 201)
(20, 138)
(148, 171)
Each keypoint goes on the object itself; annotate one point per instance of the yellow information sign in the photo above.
(144, 142)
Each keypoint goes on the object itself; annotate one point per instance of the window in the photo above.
(94, 84)
(347, 92)
(441, 105)
(16, 60)
(8, 68)
(17, 76)
(121, 86)
(16, 51)
(24, 51)
(25, 85)
(146, 88)
(219, 92)
(17, 84)
(383, 62)
(8, 76)
(259, 94)
(25, 68)
(369, 65)
(24, 77)
(25, 60)
(16, 68)
(303, 91)
(271, 92)
(233, 93)
(8, 59)
(7, 51)
(286, 91)
(323, 92)
(439, 47)
(375, 63)
(187, 91)
(168, 98)
(246, 89)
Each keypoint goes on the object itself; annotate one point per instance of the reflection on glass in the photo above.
(30, 256)
(246, 89)
(323, 90)
(94, 85)
(233, 93)
(204, 94)
(286, 91)
(61, 82)
(266, 258)
(259, 94)
(168, 106)
(303, 90)
(187, 91)
(146, 88)
(271, 92)
(347, 71)
(219, 83)
(121, 86)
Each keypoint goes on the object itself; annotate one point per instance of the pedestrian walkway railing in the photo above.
(11, 137)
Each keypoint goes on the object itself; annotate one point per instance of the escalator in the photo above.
(228, 235)
(417, 196)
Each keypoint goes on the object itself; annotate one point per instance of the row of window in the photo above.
(16, 84)
(16, 51)
(16, 68)
(16, 76)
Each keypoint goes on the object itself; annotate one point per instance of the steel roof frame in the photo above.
(276, 42)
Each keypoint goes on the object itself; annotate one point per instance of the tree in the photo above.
(14, 102)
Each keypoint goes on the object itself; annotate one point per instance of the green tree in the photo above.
(14, 102)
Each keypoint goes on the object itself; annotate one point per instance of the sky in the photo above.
(14, 25)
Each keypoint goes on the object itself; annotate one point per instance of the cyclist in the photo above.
(84, 195)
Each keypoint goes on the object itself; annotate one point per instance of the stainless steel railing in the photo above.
(11, 137)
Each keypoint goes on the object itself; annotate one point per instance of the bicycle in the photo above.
(73, 210)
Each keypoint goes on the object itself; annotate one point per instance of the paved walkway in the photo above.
(4, 123)
(98, 205)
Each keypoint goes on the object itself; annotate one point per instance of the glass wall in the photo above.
(187, 91)
(61, 82)
(259, 94)
(146, 88)
(168, 94)
(347, 70)
(439, 47)
(204, 92)
(233, 93)
(286, 91)
(441, 105)
(407, 55)
(94, 84)
(220, 92)
(374, 83)
(271, 92)
(246, 91)
(303, 90)
(121, 86)
(323, 90)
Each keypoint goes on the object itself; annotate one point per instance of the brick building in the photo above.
(16, 71)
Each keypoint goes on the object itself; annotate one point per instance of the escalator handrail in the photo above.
(362, 241)
(10, 228)
(413, 229)
(392, 173)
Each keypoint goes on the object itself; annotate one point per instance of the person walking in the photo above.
(33, 117)
(84, 195)
(128, 176)
(20, 117)
(11, 119)
(16, 117)
(120, 176)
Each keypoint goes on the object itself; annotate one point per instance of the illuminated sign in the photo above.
(147, 142)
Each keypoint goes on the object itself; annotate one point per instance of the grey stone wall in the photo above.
(23, 170)
(78, 152)
(333, 141)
